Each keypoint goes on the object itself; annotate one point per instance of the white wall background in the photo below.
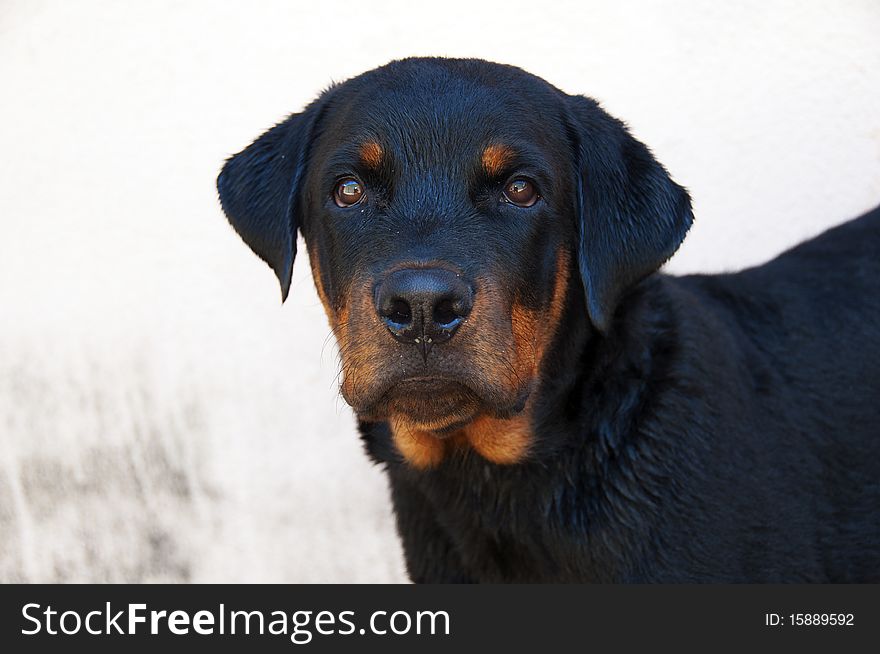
(162, 416)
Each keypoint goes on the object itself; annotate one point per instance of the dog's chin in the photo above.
(429, 404)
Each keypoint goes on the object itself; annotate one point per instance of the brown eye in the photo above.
(521, 192)
(348, 192)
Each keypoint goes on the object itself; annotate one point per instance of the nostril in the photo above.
(398, 311)
(445, 313)
(422, 305)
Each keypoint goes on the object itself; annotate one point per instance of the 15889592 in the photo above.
(809, 620)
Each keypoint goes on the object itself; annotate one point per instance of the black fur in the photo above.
(259, 191)
(699, 428)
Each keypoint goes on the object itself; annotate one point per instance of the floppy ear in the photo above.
(259, 191)
(631, 216)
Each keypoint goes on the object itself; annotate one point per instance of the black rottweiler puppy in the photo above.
(547, 407)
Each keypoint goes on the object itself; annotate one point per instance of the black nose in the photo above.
(423, 305)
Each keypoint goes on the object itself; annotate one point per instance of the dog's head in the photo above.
(459, 215)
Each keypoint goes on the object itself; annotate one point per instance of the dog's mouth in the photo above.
(435, 404)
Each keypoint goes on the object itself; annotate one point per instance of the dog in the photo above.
(548, 406)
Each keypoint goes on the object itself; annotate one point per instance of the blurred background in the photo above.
(162, 416)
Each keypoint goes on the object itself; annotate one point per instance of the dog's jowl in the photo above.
(547, 406)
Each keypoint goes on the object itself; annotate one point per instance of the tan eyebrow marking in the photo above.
(495, 157)
(371, 154)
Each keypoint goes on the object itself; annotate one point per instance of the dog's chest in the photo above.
(511, 524)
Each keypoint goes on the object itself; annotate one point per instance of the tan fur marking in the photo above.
(557, 303)
(419, 448)
(495, 157)
(371, 154)
(357, 353)
(431, 426)
(507, 441)
(319, 286)
(501, 441)
(532, 332)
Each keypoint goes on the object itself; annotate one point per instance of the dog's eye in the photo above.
(521, 192)
(348, 192)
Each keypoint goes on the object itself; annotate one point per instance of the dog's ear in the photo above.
(259, 190)
(631, 216)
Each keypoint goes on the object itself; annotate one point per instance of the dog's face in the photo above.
(460, 216)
